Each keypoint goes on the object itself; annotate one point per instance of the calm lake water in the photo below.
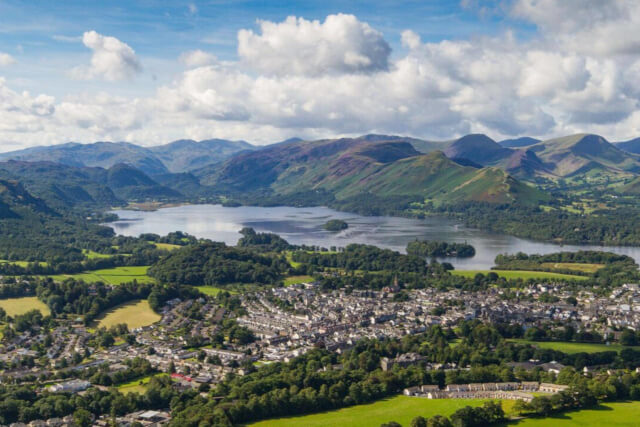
(305, 226)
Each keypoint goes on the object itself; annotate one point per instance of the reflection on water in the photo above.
(305, 226)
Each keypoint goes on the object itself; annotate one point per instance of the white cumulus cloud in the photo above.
(111, 60)
(197, 58)
(340, 44)
(336, 77)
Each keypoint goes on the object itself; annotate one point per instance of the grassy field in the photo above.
(134, 313)
(401, 409)
(213, 291)
(519, 274)
(93, 255)
(293, 280)
(293, 263)
(136, 386)
(21, 263)
(572, 347)
(167, 246)
(616, 414)
(14, 306)
(112, 276)
(582, 267)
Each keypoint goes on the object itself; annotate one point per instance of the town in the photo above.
(282, 323)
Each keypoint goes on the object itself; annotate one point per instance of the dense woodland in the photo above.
(425, 248)
(609, 227)
(214, 263)
(613, 268)
(363, 257)
(269, 242)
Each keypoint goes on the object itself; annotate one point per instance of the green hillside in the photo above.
(578, 154)
(347, 168)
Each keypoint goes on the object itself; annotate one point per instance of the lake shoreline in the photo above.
(305, 226)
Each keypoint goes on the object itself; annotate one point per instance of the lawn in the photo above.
(401, 409)
(112, 276)
(572, 347)
(293, 280)
(616, 414)
(582, 267)
(213, 291)
(520, 274)
(15, 306)
(136, 386)
(135, 314)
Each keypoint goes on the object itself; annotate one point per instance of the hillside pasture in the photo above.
(167, 246)
(94, 255)
(111, 276)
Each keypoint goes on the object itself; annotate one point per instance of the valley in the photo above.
(164, 281)
(321, 213)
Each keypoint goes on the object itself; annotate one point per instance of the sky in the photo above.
(153, 71)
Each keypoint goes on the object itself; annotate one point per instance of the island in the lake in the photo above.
(335, 225)
(440, 249)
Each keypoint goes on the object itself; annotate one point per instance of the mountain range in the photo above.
(175, 157)
(383, 167)
(471, 168)
(568, 156)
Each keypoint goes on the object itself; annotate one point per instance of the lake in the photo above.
(305, 226)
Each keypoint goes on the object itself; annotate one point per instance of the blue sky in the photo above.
(45, 35)
(151, 71)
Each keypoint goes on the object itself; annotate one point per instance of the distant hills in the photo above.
(518, 142)
(561, 157)
(471, 168)
(63, 186)
(177, 156)
(582, 153)
(630, 146)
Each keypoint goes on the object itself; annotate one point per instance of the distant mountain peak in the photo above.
(523, 141)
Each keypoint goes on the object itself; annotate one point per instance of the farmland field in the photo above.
(15, 306)
(94, 255)
(135, 314)
(520, 274)
(585, 268)
(615, 414)
(167, 246)
(401, 409)
(572, 347)
(112, 276)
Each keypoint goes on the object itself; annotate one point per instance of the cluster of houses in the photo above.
(506, 390)
(290, 321)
